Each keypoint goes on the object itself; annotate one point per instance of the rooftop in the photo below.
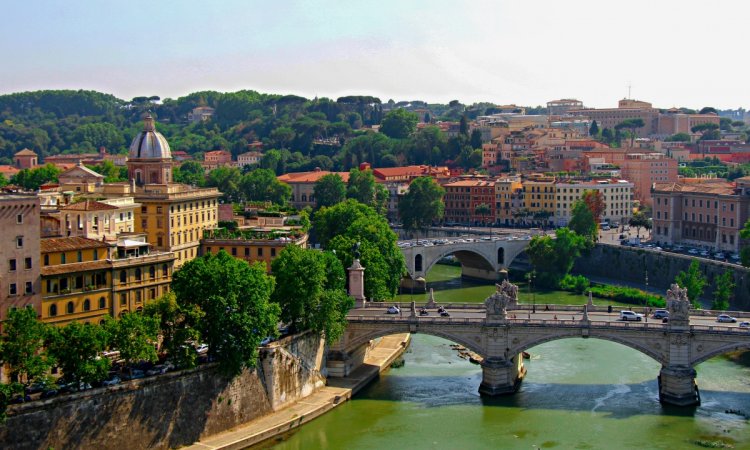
(88, 205)
(65, 244)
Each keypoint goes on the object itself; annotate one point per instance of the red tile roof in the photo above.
(65, 244)
(310, 177)
(89, 205)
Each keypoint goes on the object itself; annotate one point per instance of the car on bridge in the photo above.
(630, 315)
(661, 314)
(744, 324)
(393, 310)
(725, 318)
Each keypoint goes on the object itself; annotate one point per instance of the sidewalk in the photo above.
(338, 391)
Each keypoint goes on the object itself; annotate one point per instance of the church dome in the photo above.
(149, 143)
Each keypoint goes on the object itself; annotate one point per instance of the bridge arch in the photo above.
(641, 347)
(467, 257)
(732, 347)
(359, 339)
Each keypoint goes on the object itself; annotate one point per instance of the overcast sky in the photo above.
(673, 52)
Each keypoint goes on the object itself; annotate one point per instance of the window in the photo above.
(12, 265)
(731, 206)
(123, 299)
(260, 251)
(79, 256)
(144, 209)
(159, 241)
(247, 251)
(29, 288)
(138, 274)
(164, 270)
(19, 219)
(234, 251)
(70, 308)
(158, 210)
(19, 241)
(273, 252)
(96, 254)
(151, 293)
(138, 298)
(123, 276)
(46, 260)
(102, 302)
(87, 305)
(152, 272)
(52, 310)
(12, 290)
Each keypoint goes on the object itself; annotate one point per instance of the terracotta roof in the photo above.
(310, 177)
(470, 183)
(65, 244)
(25, 152)
(715, 188)
(89, 205)
(76, 267)
(8, 170)
(82, 168)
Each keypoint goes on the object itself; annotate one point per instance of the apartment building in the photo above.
(19, 253)
(705, 213)
(470, 201)
(539, 197)
(617, 194)
(252, 245)
(508, 198)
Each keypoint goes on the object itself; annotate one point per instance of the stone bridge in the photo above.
(479, 258)
(500, 337)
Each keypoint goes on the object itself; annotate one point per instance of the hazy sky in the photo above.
(673, 52)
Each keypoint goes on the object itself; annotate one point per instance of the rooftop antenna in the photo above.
(630, 85)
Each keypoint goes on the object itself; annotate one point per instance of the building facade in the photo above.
(20, 280)
(617, 195)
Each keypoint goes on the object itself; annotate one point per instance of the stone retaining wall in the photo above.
(170, 410)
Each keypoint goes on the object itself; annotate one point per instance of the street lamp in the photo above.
(533, 294)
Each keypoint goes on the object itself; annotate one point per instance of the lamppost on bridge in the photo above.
(532, 275)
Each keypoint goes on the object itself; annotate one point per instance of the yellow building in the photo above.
(253, 244)
(86, 279)
(539, 195)
(507, 193)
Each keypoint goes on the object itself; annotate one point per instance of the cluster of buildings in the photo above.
(83, 249)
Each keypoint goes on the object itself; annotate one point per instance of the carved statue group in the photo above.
(505, 295)
(678, 303)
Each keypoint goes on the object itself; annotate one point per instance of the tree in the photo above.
(594, 200)
(177, 325)
(553, 258)
(134, 335)
(422, 204)
(723, 292)
(639, 220)
(361, 186)
(190, 172)
(594, 130)
(745, 251)
(76, 348)
(340, 226)
(582, 221)
(262, 185)
(694, 281)
(282, 136)
(329, 190)
(463, 125)
(679, 137)
(399, 124)
(631, 124)
(271, 160)
(310, 291)
(483, 210)
(708, 110)
(23, 346)
(32, 179)
(707, 131)
(227, 180)
(234, 296)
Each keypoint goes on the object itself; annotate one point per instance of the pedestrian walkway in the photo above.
(338, 391)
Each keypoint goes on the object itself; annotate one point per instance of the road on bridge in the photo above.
(519, 314)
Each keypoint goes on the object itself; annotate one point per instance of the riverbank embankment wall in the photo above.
(635, 265)
(170, 410)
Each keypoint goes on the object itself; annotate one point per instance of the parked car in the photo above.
(201, 349)
(112, 381)
(630, 315)
(720, 256)
(725, 318)
(48, 393)
(393, 310)
(693, 251)
(704, 254)
(156, 370)
(661, 314)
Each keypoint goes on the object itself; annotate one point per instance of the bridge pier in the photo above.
(677, 386)
(501, 376)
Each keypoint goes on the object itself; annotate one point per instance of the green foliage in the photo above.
(339, 227)
(76, 348)
(594, 129)
(111, 173)
(582, 221)
(694, 281)
(329, 190)
(745, 251)
(361, 186)
(399, 124)
(23, 346)
(190, 172)
(627, 295)
(32, 179)
(723, 292)
(679, 137)
(134, 335)
(422, 204)
(575, 283)
(639, 220)
(262, 185)
(630, 124)
(553, 258)
(234, 296)
(310, 291)
(177, 323)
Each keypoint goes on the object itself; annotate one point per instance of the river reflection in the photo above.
(577, 394)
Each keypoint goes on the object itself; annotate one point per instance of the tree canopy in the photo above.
(553, 258)
(399, 123)
(422, 204)
(582, 221)
(329, 190)
(694, 281)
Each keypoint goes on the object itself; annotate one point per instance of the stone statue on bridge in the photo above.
(497, 303)
(678, 305)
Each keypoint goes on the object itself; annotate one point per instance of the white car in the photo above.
(630, 315)
(725, 318)
(393, 310)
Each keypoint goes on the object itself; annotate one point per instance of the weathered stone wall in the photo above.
(631, 264)
(170, 410)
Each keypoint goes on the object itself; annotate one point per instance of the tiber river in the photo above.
(578, 394)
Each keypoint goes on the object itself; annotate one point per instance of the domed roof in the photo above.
(149, 143)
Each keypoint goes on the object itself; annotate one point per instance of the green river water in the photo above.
(578, 394)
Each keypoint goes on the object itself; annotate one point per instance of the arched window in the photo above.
(139, 309)
(138, 274)
(501, 255)
(123, 276)
(152, 272)
(52, 310)
(87, 305)
(102, 302)
(70, 308)
(418, 263)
